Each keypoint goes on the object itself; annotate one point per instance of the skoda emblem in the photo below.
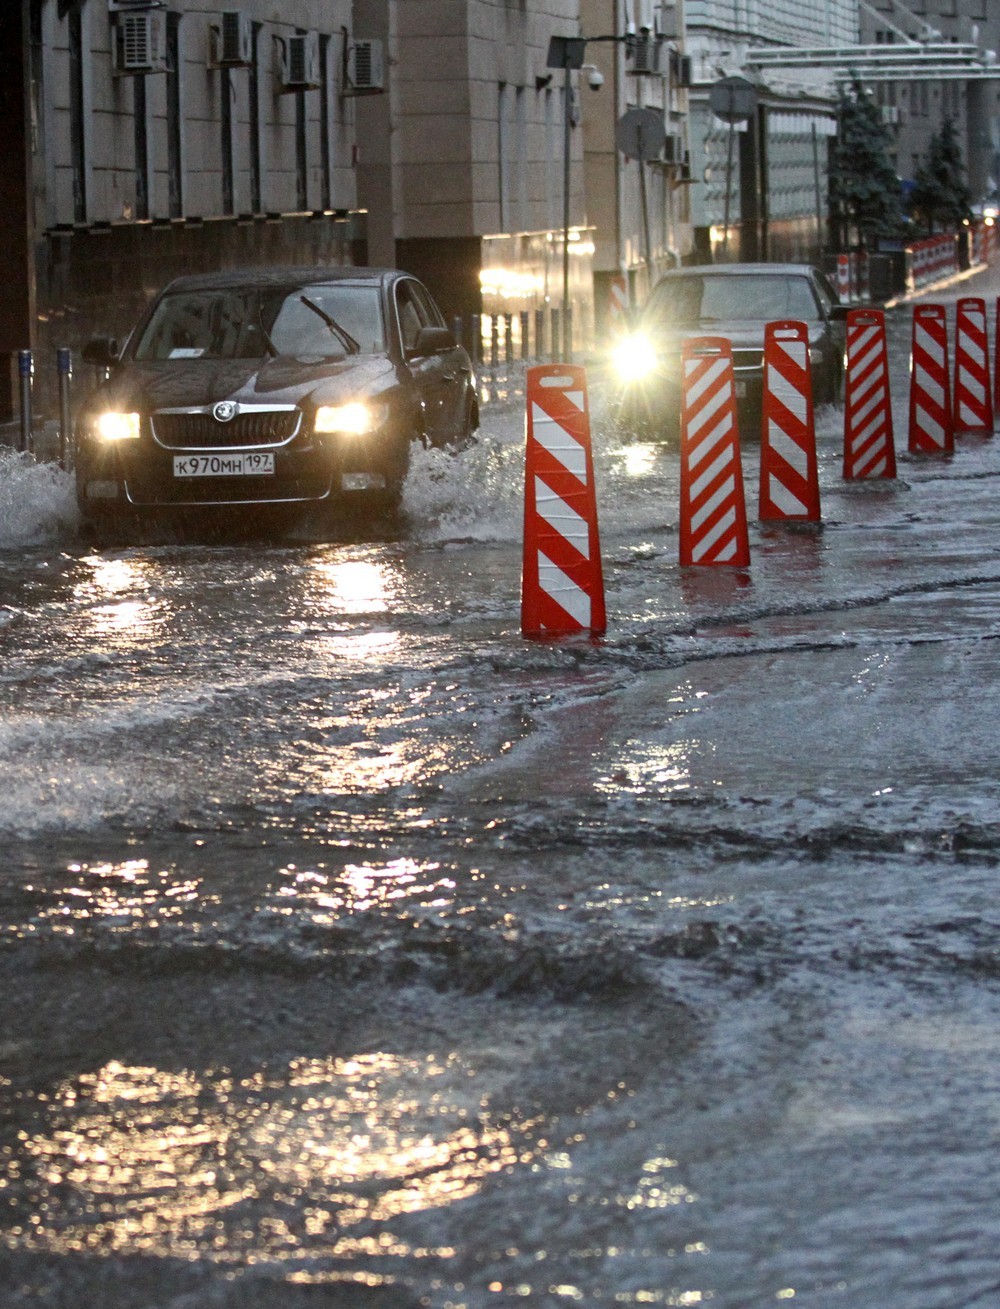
(225, 410)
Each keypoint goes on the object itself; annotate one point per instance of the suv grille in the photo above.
(262, 427)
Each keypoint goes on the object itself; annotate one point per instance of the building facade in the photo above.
(760, 183)
(915, 106)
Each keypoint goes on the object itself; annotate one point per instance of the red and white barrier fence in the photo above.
(562, 583)
(713, 518)
(973, 410)
(869, 449)
(931, 427)
(789, 478)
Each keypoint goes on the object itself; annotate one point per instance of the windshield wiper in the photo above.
(345, 338)
(272, 349)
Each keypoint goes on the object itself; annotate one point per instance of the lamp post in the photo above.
(566, 52)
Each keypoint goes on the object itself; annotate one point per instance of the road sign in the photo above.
(641, 134)
(733, 99)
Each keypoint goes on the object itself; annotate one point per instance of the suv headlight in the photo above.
(357, 418)
(633, 358)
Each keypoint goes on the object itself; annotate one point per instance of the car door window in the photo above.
(411, 314)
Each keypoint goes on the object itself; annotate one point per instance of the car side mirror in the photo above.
(432, 341)
(838, 313)
(101, 351)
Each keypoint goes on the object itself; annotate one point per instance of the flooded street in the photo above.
(358, 952)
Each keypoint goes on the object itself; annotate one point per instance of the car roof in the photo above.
(282, 275)
(733, 270)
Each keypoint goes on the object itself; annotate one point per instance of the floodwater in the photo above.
(357, 952)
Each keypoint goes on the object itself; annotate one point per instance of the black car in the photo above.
(271, 387)
(735, 301)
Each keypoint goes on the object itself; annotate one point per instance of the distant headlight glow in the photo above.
(115, 426)
(353, 419)
(634, 358)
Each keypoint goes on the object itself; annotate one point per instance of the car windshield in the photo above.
(732, 298)
(251, 322)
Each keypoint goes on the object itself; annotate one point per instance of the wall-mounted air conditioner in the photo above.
(232, 40)
(140, 43)
(298, 63)
(364, 73)
(673, 148)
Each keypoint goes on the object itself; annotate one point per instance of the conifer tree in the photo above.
(940, 197)
(864, 191)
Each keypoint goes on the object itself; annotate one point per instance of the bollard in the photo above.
(457, 330)
(25, 369)
(64, 366)
(539, 334)
(555, 334)
(524, 336)
(477, 339)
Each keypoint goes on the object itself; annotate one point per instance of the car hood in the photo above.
(192, 383)
(743, 334)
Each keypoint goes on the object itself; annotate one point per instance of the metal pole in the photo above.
(64, 365)
(566, 178)
(25, 367)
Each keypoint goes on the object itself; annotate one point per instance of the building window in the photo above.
(256, 159)
(226, 124)
(140, 123)
(175, 146)
(301, 147)
(503, 151)
(325, 110)
(78, 115)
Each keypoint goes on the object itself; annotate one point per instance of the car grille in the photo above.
(203, 431)
(748, 359)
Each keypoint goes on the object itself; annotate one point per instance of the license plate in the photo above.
(246, 463)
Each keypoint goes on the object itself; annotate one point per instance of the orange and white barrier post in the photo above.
(996, 357)
(713, 516)
(931, 428)
(869, 448)
(973, 411)
(562, 583)
(789, 478)
(618, 303)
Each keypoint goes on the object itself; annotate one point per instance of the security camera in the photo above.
(595, 78)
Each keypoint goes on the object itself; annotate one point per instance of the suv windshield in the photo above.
(732, 298)
(251, 322)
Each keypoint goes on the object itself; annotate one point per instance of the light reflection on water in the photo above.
(360, 888)
(108, 597)
(134, 1159)
(114, 897)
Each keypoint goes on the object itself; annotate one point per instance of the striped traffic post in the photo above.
(713, 518)
(973, 410)
(931, 427)
(562, 584)
(789, 477)
(869, 448)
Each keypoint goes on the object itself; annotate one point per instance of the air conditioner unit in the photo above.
(645, 52)
(299, 65)
(365, 70)
(140, 43)
(232, 40)
(673, 148)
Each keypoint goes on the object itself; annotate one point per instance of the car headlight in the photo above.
(115, 426)
(354, 419)
(633, 358)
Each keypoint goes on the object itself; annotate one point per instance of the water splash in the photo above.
(36, 501)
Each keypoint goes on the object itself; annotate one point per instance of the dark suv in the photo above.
(735, 301)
